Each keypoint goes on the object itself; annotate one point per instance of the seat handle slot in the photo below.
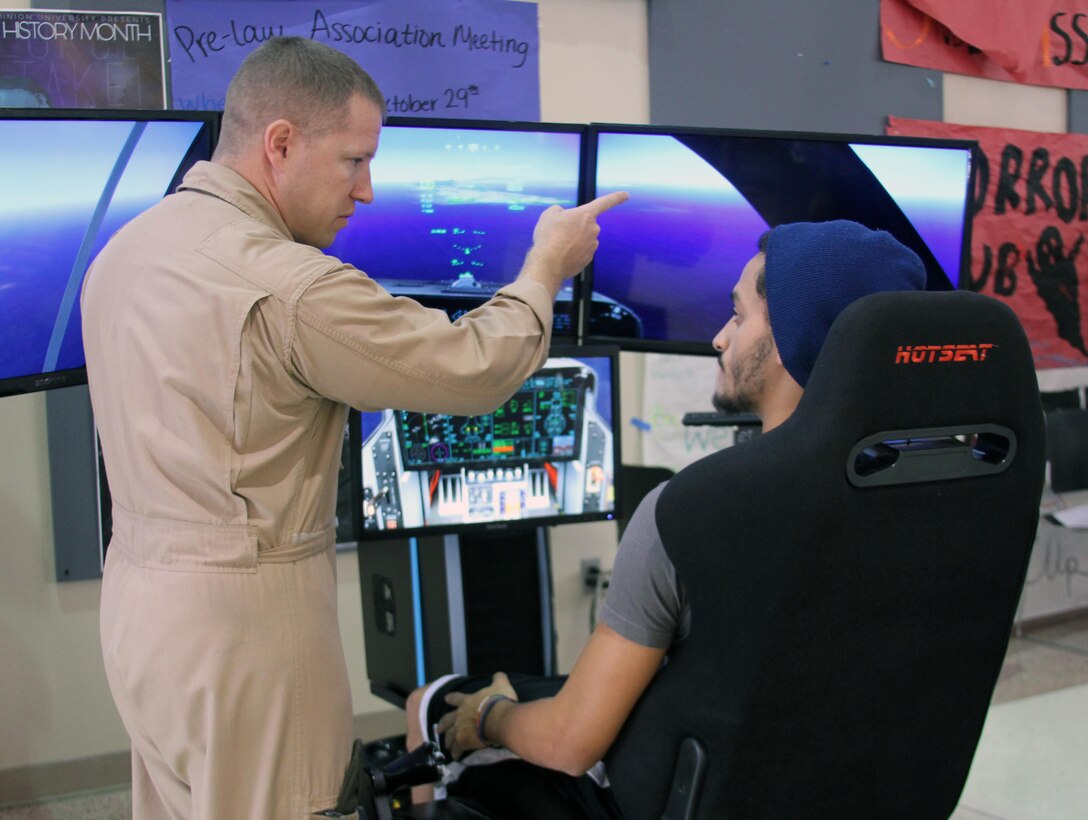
(930, 454)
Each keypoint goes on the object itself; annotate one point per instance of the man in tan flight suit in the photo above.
(223, 351)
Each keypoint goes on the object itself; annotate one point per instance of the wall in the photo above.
(780, 65)
(55, 704)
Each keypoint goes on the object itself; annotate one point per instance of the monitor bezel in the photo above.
(557, 350)
(691, 347)
(37, 382)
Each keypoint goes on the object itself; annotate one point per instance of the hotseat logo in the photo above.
(940, 354)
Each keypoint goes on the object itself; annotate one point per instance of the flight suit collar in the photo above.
(231, 187)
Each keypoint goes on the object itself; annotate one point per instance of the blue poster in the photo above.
(81, 59)
(475, 59)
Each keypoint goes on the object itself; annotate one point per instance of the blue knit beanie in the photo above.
(816, 269)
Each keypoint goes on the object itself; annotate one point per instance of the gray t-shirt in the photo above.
(645, 601)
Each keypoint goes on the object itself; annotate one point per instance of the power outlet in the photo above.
(591, 573)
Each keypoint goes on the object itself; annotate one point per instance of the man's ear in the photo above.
(279, 137)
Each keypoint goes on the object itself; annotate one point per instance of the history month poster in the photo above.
(81, 59)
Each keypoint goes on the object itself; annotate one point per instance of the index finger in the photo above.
(603, 203)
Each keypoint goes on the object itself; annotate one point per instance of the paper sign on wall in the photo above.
(1041, 42)
(1029, 212)
(674, 385)
(455, 58)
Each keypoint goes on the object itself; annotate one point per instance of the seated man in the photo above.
(555, 731)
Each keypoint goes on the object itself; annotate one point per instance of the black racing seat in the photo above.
(867, 558)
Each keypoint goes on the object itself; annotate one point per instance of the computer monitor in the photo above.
(455, 204)
(547, 456)
(71, 178)
(700, 198)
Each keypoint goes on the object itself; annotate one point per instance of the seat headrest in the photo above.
(929, 357)
(947, 376)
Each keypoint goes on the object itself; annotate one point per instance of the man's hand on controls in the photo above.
(461, 727)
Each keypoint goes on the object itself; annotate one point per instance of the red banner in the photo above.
(1029, 208)
(1039, 42)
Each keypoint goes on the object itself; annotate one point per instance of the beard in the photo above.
(730, 404)
(746, 380)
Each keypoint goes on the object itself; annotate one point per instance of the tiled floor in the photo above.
(112, 804)
(1032, 758)
(1031, 763)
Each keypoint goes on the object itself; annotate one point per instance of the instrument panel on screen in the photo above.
(546, 455)
(541, 422)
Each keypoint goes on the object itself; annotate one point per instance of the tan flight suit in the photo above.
(222, 358)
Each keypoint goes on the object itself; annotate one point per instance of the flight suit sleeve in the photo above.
(354, 342)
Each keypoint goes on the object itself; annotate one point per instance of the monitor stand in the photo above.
(472, 603)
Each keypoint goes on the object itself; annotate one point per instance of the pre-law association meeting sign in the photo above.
(1029, 209)
(474, 59)
(1038, 42)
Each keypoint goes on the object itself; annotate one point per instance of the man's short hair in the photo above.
(296, 79)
